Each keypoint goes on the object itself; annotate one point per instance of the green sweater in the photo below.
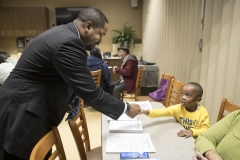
(223, 137)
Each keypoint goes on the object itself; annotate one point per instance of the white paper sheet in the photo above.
(125, 127)
(145, 105)
(123, 142)
(123, 117)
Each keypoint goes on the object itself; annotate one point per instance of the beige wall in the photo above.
(117, 12)
(171, 32)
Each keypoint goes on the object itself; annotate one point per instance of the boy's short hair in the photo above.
(200, 89)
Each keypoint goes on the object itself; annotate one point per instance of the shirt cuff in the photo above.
(125, 108)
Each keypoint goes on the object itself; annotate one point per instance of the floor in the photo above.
(94, 127)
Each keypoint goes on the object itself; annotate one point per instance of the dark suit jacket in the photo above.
(36, 94)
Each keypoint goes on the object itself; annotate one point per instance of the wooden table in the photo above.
(115, 61)
(163, 133)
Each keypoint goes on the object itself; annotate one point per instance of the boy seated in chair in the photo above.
(189, 113)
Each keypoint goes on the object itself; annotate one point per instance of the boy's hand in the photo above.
(185, 133)
(146, 112)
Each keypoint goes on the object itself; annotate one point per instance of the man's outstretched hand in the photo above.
(134, 110)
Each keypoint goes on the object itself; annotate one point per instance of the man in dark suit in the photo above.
(51, 69)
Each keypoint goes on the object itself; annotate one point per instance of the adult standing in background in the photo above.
(48, 74)
(5, 69)
(95, 62)
(128, 73)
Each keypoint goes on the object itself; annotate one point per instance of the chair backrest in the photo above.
(174, 93)
(78, 126)
(226, 108)
(168, 77)
(139, 80)
(96, 75)
(51, 140)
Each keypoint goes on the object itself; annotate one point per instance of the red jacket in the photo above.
(129, 72)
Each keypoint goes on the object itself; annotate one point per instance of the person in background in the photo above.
(5, 69)
(51, 70)
(192, 116)
(95, 62)
(221, 141)
(128, 73)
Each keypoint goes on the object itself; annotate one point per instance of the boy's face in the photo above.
(190, 97)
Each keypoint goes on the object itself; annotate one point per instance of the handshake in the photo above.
(134, 110)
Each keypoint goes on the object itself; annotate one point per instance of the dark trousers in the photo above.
(6, 156)
(116, 89)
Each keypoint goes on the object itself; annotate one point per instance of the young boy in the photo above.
(192, 116)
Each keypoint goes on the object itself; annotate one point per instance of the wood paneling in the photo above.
(23, 21)
(6, 23)
(114, 62)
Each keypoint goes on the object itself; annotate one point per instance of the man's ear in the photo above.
(88, 25)
(199, 99)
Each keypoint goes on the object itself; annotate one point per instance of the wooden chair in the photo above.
(226, 107)
(137, 85)
(51, 140)
(96, 75)
(148, 98)
(174, 93)
(78, 126)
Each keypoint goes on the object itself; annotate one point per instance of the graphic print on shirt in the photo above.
(188, 123)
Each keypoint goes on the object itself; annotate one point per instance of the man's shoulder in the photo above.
(61, 33)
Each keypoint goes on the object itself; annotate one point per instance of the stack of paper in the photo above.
(123, 142)
(123, 117)
(125, 126)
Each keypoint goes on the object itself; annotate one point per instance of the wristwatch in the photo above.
(128, 106)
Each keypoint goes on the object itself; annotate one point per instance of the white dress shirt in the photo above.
(5, 69)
